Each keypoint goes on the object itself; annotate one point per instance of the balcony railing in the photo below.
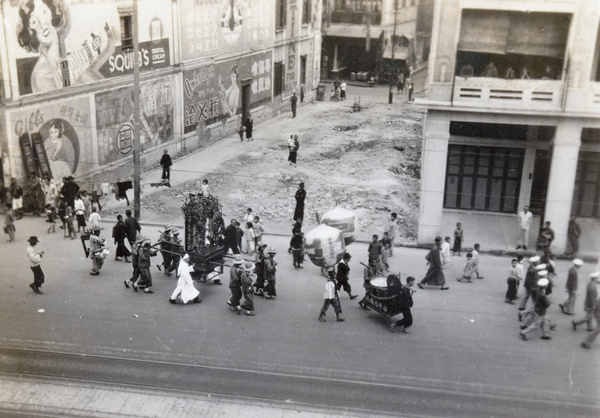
(355, 17)
(495, 92)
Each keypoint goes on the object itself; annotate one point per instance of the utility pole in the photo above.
(391, 94)
(136, 115)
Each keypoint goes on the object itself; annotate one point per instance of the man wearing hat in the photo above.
(35, 258)
(165, 249)
(144, 253)
(96, 248)
(592, 336)
(235, 283)
(270, 274)
(531, 278)
(247, 277)
(136, 248)
(529, 314)
(259, 283)
(343, 276)
(540, 318)
(185, 285)
(568, 306)
(590, 303)
(176, 248)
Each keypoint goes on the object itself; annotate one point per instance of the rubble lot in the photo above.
(367, 161)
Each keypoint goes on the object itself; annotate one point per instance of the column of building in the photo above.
(561, 182)
(433, 176)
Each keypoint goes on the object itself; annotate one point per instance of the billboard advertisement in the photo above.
(212, 27)
(114, 118)
(213, 93)
(55, 44)
(65, 130)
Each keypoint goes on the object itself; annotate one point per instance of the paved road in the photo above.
(463, 357)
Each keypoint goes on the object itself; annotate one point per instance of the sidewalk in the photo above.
(495, 237)
(24, 396)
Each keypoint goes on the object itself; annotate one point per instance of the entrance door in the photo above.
(245, 100)
(539, 184)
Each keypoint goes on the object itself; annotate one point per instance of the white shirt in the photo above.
(204, 189)
(79, 207)
(445, 252)
(329, 290)
(343, 86)
(94, 220)
(525, 219)
(35, 257)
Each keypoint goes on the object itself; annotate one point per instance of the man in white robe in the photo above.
(185, 285)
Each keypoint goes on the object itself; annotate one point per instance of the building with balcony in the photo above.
(513, 115)
(374, 36)
(67, 77)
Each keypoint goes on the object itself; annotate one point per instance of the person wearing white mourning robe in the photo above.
(185, 285)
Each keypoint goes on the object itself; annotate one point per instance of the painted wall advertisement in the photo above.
(114, 118)
(213, 93)
(211, 27)
(55, 43)
(66, 134)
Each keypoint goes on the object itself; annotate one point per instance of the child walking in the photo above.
(9, 224)
(250, 242)
(52, 214)
(470, 268)
(458, 239)
(512, 281)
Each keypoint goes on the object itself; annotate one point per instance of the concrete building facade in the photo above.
(513, 115)
(67, 84)
(362, 36)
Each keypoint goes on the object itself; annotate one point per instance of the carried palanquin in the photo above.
(204, 234)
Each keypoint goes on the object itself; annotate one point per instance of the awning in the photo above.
(400, 52)
(358, 32)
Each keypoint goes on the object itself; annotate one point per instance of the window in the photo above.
(280, 18)
(303, 69)
(483, 178)
(586, 196)
(126, 32)
(306, 12)
(278, 78)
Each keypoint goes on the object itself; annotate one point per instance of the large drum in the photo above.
(379, 287)
(345, 220)
(324, 245)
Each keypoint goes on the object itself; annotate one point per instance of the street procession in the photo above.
(213, 253)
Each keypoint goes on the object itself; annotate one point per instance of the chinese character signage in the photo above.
(114, 118)
(211, 27)
(66, 134)
(213, 93)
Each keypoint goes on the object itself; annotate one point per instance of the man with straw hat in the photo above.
(531, 279)
(248, 277)
(35, 258)
(270, 274)
(235, 284)
(568, 306)
(185, 285)
(540, 317)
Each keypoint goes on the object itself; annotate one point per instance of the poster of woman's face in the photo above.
(62, 147)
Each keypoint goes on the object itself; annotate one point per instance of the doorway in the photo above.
(539, 184)
(246, 93)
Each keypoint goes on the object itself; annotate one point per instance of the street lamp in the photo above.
(391, 94)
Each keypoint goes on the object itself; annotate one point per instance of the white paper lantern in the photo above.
(345, 220)
(324, 245)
